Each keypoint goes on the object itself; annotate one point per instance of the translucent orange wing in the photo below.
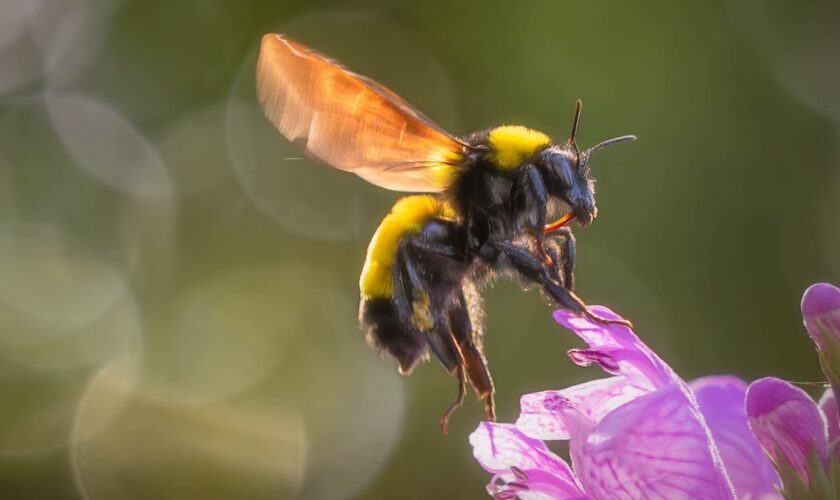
(352, 122)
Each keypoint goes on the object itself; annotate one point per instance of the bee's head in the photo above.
(567, 174)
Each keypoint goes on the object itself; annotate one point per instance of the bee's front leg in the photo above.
(533, 268)
(561, 249)
(532, 201)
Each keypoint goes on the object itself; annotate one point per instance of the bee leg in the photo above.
(534, 269)
(490, 407)
(466, 331)
(563, 254)
(533, 199)
(456, 338)
(420, 304)
(459, 400)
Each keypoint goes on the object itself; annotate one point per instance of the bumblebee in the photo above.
(488, 197)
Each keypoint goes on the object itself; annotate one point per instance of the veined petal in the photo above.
(828, 406)
(531, 484)
(722, 402)
(787, 423)
(505, 451)
(616, 349)
(540, 419)
(655, 446)
(658, 444)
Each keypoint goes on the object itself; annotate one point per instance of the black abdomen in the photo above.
(385, 331)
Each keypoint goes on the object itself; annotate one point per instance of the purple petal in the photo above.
(658, 443)
(821, 311)
(536, 485)
(721, 401)
(501, 447)
(787, 423)
(828, 407)
(616, 349)
(540, 418)
(655, 446)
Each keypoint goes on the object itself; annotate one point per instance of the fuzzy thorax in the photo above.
(510, 145)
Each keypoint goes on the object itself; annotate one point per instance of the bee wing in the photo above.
(351, 122)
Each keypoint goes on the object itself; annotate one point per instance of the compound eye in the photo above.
(563, 170)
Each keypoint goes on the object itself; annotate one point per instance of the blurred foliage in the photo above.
(178, 297)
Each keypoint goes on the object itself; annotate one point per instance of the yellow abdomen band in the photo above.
(407, 216)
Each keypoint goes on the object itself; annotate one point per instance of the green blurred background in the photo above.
(178, 299)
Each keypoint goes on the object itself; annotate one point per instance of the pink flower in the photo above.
(792, 430)
(800, 436)
(641, 433)
(821, 313)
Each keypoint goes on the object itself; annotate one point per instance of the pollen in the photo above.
(511, 145)
(421, 315)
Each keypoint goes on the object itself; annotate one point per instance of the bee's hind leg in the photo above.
(415, 299)
(460, 335)
(459, 400)
(428, 264)
(466, 329)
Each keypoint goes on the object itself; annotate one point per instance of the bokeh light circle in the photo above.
(253, 385)
(63, 313)
(150, 445)
(107, 146)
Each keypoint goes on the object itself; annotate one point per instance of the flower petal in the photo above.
(655, 446)
(658, 442)
(616, 349)
(504, 450)
(531, 484)
(539, 417)
(821, 311)
(787, 423)
(721, 401)
(828, 406)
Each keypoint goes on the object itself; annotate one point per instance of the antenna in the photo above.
(578, 105)
(610, 142)
(603, 144)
